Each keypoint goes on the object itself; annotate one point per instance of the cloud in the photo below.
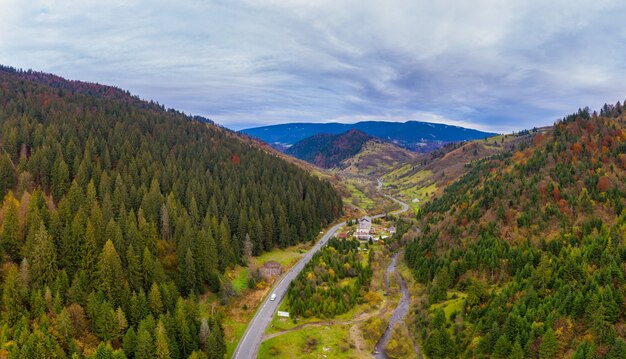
(487, 64)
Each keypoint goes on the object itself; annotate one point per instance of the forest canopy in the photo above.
(532, 242)
(117, 213)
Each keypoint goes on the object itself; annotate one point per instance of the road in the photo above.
(249, 344)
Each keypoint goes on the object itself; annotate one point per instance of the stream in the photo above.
(398, 314)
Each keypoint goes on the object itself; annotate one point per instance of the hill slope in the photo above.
(326, 150)
(523, 256)
(375, 158)
(413, 135)
(118, 213)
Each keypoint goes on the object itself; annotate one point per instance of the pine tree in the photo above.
(133, 269)
(162, 346)
(188, 273)
(111, 273)
(122, 323)
(618, 350)
(91, 252)
(204, 267)
(165, 223)
(64, 328)
(60, 178)
(9, 234)
(549, 346)
(154, 300)
(145, 345)
(185, 338)
(44, 261)
(502, 347)
(7, 175)
(13, 296)
(147, 267)
(516, 352)
(129, 343)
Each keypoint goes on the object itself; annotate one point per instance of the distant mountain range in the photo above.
(413, 135)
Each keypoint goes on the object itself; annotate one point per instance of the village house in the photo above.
(392, 230)
(363, 228)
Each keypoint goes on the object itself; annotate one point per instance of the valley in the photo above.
(170, 236)
(262, 179)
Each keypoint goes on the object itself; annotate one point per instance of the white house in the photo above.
(363, 228)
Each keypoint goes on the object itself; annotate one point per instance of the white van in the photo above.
(273, 296)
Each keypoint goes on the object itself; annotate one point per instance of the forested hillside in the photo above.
(326, 150)
(118, 214)
(524, 256)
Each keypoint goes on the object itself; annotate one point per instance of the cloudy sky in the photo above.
(492, 65)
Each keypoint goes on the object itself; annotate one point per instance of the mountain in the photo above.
(413, 135)
(524, 255)
(118, 215)
(327, 150)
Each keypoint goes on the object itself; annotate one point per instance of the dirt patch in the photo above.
(270, 270)
(360, 347)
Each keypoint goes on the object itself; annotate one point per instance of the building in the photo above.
(363, 228)
(392, 230)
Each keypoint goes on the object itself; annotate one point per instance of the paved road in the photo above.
(249, 344)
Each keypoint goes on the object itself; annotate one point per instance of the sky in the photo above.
(485, 64)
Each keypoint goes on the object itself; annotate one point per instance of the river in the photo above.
(398, 314)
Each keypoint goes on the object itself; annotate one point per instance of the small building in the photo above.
(363, 228)
(392, 230)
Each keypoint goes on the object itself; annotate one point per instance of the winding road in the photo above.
(249, 344)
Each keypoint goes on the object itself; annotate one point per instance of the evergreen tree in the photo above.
(7, 175)
(145, 345)
(13, 296)
(10, 231)
(618, 350)
(516, 352)
(502, 347)
(60, 177)
(94, 165)
(91, 252)
(188, 275)
(44, 261)
(129, 343)
(111, 274)
(154, 300)
(549, 346)
(162, 346)
(134, 270)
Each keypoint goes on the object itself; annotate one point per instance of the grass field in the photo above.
(454, 303)
(363, 201)
(408, 194)
(314, 342)
(285, 257)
